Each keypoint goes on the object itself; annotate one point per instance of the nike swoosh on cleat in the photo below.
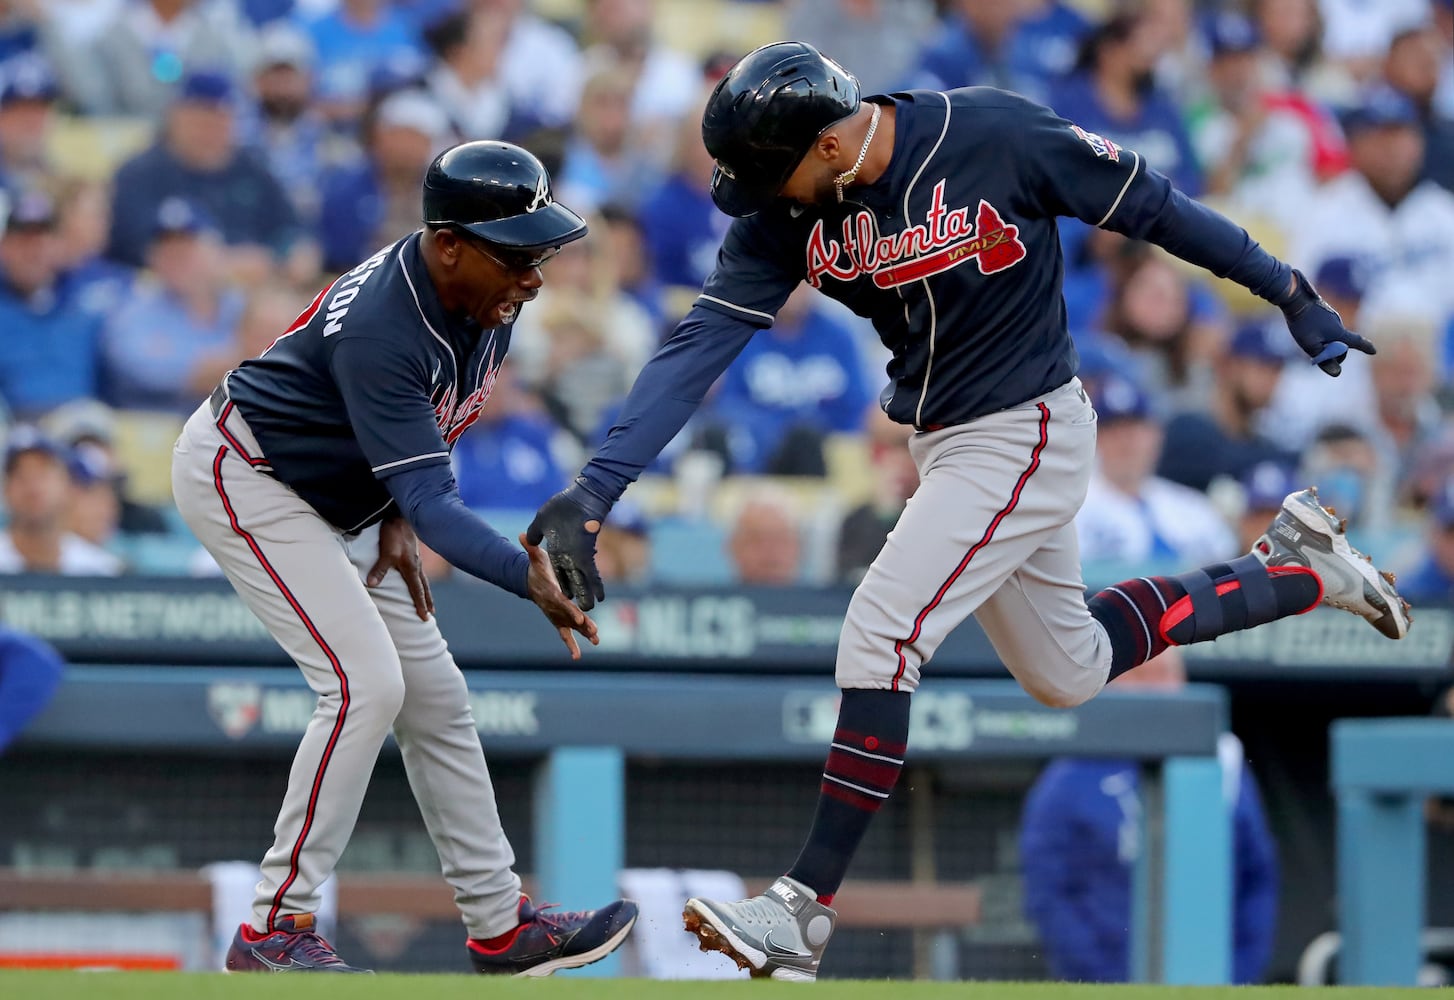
(275, 966)
(775, 949)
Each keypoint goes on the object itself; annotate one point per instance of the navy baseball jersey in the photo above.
(953, 254)
(373, 379)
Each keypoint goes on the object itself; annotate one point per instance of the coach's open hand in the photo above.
(568, 524)
(399, 549)
(549, 598)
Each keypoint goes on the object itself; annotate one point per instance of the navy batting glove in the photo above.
(1318, 329)
(561, 523)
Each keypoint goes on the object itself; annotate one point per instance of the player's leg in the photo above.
(1302, 561)
(448, 774)
(990, 495)
(292, 571)
(1062, 650)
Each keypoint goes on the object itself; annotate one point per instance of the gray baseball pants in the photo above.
(989, 533)
(374, 666)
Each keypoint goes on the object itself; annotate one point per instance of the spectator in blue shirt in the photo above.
(351, 42)
(198, 158)
(374, 199)
(1113, 93)
(999, 44)
(793, 383)
(173, 336)
(683, 228)
(507, 461)
(88, 278)
(30, 675)
(1223, 439)
(289, 134)
(1080, 838)
(47, 343)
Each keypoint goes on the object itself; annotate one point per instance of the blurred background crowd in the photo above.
(179, 177)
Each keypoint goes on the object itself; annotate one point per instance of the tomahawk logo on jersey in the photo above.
(946, 238)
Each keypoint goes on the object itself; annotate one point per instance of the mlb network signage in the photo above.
(151, 621)
(265, 710)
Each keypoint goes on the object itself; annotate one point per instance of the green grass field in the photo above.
(173, 986)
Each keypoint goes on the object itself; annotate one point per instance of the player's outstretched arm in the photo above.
(665, 395)
(1069, 171)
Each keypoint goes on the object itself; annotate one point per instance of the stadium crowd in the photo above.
(179, 177)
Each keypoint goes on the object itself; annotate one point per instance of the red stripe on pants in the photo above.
(327, 652)
(984, 540)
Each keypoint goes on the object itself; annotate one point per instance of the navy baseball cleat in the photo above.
(544, 942)
(293, 947)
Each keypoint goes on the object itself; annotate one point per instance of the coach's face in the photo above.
(486, 281)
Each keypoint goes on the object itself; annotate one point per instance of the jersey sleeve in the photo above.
(385, 389)
(755, 272)
(1069, 171)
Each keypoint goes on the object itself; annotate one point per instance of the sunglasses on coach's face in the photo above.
(514, 261)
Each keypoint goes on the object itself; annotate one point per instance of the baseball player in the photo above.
(307, 476)
(934, 215)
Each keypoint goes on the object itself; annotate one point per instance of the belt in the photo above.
(218, 399)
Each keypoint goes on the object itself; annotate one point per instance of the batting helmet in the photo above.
(500, 193)
(764, 116)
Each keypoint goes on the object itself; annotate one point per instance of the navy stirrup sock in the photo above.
(1143, 617)
(863, 765)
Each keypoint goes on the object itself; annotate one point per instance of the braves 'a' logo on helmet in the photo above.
(542, 195)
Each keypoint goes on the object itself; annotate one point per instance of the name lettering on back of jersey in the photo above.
(346, 289)
(1105, 148)
(946, 239)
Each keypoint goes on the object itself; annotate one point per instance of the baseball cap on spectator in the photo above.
(1342, 277)
(207, 87)
(31, 210)
(630, 518)
(27, 439)
(413, 109)
(1229, 32)
(1379, 107)
(1266, 484)
(1260, 341)
(27, 77)
(90, 464)
(81, 420)
(177, 216)
(1119, 397)
(281, 44)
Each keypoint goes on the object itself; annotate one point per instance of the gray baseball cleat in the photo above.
(1305, 533)
(778, 935)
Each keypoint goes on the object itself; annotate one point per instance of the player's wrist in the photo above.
(587, 497)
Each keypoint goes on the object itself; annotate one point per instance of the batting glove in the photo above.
(561, 523)
(1318, 329)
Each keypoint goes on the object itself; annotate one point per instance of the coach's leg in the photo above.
(446, 766)
(291, 570)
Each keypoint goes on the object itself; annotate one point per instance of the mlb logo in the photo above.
(236, 708)
(1105, 148)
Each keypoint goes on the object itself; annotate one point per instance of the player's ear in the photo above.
(448, 243)
(828, 146)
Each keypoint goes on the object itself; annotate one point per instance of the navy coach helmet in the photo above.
(500, 193)
(764, 116)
